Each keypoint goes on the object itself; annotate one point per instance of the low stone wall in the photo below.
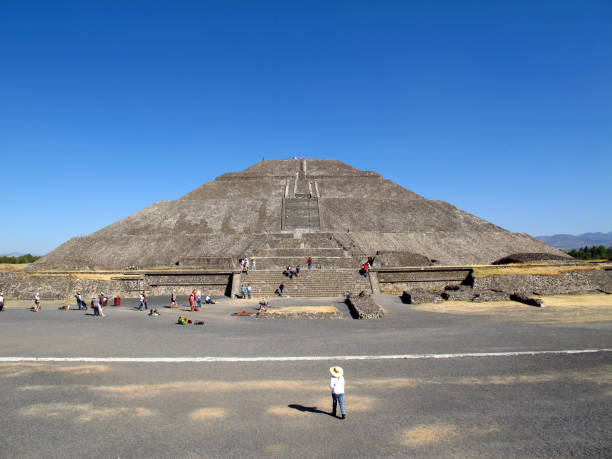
(363, 306)
(570, 282)
(55, 286)
(402, 279)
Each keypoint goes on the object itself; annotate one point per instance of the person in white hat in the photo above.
(337, 387)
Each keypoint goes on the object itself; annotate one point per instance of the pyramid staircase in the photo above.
(308, 283)
(276, 251)
(335, 267)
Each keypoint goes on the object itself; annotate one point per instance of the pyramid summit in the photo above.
(284, 210)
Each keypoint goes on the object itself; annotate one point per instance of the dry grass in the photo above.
(529, 269)
(84, 412)
(13, 268)
(559, 309)
(430, 434)
(297, 309)
(208, 413)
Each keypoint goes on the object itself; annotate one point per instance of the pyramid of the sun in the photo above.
(241, 212)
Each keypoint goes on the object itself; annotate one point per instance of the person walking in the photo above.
(309, 263)
(97, 306)
(199, 299)
(249, 290)
(37, 302)
(141, 299)
(144, 296)
(253, 265)
(80, 303)
(192, 300)
(173, 300)
(243, 291)
(336, 385)
(1, 301)
(281, 289)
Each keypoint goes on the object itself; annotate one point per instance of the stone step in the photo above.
(318, 263)
(293, 252)
(307, 283)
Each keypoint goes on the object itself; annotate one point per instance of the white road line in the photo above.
(296, 358)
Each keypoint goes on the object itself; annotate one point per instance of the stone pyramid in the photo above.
(254, 212)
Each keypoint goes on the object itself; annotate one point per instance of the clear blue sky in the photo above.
(503, 109)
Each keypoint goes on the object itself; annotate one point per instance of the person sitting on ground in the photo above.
(207, 300)
(263, 305)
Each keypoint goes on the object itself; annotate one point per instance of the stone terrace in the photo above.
(313, 283)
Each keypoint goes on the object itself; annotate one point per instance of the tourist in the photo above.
(207, 300)
(281, 289)
(309, 263)
(249, 290)
(191, 300)
(243, 291)
(336, 385)
(96, 306)
(103, 299)
(1, 301)
(80, 303)
(199, 299)
(246, 265)
(141, 300)
(253, 266)
(173, 300)
(37, 302)
(366, 267)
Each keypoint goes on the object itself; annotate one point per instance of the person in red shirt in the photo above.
(309, 263)
(191, 300)
(365, 269)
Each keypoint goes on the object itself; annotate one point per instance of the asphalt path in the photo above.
(502, 405)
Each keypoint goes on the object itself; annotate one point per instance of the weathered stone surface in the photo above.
(570, 282)
(458, 293)
(420, 296)
(533, 257)
(481, 296)
(228, 217)
(400, 258)
(527, 300)
(300, 315)
(363, 306)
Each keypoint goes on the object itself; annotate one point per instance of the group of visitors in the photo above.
(246, 291)
(195, 300)
(245, 265)
(97, 302)
(290, 271)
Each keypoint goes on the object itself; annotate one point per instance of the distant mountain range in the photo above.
(569, 241)
(12, 254)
